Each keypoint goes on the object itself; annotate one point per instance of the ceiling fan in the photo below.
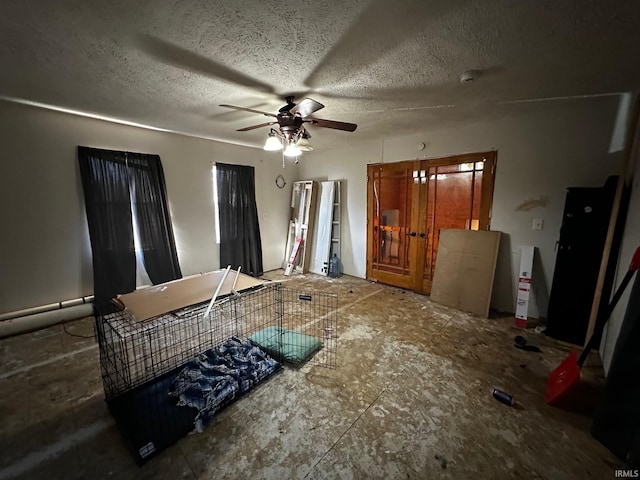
(290, 120)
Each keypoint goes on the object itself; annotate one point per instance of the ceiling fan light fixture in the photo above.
(304, 145)
(273, 143)
(290, 133)
(292, 150)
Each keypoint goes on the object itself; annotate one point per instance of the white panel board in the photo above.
(322, 238)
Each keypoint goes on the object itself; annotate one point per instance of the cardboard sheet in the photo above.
(152, 301)
(465, 268)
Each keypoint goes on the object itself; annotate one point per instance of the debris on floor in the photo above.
(443, 461)
(503, 397)
(521, 343)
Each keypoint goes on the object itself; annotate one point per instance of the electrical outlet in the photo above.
(536, 224)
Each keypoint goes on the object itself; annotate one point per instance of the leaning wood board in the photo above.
(167, 297)
(465, 267)
(632, 147)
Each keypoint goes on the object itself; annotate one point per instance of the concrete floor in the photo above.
(411, 398)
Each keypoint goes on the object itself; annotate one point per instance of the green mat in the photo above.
(291, 346)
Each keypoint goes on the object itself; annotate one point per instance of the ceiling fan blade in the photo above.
(177, 56)
(244, 109)
(347, 127)
(306, 107)
(252, 127)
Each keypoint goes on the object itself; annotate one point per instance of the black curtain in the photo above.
(240, 243)
(110, 180)
(105, 181)
(152, 215)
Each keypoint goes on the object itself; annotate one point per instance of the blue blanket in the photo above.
(218, 376)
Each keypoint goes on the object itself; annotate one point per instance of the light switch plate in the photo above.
(536, 224)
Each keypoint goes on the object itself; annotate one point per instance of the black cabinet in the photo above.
(583, 232)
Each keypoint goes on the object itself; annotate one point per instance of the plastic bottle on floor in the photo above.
(334, 266)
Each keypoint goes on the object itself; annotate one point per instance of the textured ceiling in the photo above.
(391, 66)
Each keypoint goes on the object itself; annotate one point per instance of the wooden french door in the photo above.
(408, 203)
(390, 220)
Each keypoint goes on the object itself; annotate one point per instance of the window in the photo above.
(125, 198)
(237, 213)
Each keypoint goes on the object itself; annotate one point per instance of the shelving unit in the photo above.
(303, 209)
(326, 239)
(336, 221)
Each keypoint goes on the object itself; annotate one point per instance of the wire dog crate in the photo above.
(141, 361)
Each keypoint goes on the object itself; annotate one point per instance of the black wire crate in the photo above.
(294, 326)
(133, 352)
(147, 365)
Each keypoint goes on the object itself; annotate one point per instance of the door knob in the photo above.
(422, 235)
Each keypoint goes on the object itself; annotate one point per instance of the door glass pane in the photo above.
(477, 196)
(392, 218)
(453, 201)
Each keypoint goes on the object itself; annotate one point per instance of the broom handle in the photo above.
(601, 322)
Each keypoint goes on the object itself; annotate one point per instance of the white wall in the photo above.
(45, 255)
(543, 148)
(44, 250)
